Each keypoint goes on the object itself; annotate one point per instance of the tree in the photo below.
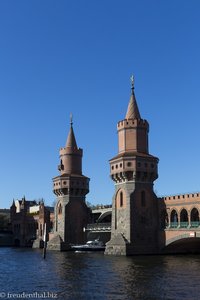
(3, 222)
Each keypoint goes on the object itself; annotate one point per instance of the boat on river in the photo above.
(95, 245)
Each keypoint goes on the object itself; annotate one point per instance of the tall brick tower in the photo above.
(70, 187)
(134, 206)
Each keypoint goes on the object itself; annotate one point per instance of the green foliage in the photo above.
(3, 221)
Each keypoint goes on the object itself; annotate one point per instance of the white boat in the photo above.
(95, 245)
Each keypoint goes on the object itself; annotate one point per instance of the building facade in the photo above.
(27, 222)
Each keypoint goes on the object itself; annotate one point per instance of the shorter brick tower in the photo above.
(134, 206)
(70, 187)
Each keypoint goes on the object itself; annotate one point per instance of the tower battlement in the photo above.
(64, 151)
(126, 123)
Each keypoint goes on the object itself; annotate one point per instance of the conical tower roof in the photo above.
(71, 141)
(132, 111)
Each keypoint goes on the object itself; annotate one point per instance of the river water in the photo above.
(24, 274)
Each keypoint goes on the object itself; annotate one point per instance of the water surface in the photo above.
(68, 275)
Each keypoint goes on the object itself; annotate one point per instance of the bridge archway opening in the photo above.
(184, 218)
(184, 215)
(174, 216)
(184, 245)
(194, 215)
(105, 217)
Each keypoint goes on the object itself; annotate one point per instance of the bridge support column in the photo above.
(189, 220)
(179, 220)
(169, 220)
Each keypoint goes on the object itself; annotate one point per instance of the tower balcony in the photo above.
(134, 166)
(134, 176)
(73, 185)
(71, 192)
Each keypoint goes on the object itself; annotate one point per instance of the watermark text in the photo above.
(25, 295)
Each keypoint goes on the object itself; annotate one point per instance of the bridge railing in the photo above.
(172, 225)
(192, 224)
(184, 224)
(99, 227)
(195, 224)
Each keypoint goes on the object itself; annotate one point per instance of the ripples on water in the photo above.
(95, 276)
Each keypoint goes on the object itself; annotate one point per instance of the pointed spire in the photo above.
(71, 141)
(132, 111)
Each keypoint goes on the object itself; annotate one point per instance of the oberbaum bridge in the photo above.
(138, 222)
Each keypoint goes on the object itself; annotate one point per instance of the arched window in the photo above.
(184, 215)
(60, 209)
(194, 217)
(143, 199)
(174, 218)
(121, 199)
(183, 218)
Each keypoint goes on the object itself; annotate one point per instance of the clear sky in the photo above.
(58, 57)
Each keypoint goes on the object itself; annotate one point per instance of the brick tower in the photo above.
(134, 207)
(70, 187)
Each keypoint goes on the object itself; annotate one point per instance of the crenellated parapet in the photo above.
(183, 197)
(65, 150)
(130, 123)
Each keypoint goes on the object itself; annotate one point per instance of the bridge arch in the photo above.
(183, 243)
(105, 217)
(177, 238)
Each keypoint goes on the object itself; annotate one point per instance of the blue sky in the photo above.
(58, 57)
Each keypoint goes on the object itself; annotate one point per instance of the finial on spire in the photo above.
(132, 111)
(71, 141)
(132, 82)
(71, 119)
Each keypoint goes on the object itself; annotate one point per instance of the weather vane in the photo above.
(132, 81)
(71, 119)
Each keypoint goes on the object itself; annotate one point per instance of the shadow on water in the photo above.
(95, 276)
